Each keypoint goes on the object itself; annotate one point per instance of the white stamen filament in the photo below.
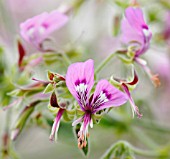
(101, 99)
(81, 89)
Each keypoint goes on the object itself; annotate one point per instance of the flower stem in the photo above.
(143, 138)
(66, 58)
(124, 146)
(100, 67)
(146, 153)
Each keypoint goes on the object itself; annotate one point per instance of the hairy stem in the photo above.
(103, 64)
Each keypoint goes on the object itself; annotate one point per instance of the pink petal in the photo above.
(106, 96)
(56, 124)
(135, 109)
(129, 34)
(53, 22)
(79, 120)
(80, 80)
(135, 18)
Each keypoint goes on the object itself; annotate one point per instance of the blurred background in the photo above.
(92, 32)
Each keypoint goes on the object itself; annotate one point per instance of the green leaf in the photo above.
(49, 88)
(22, 119)
(16, 93)
(120, 149)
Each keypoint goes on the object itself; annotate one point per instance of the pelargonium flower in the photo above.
(80, 80)
(35, 30)
(135, 30)
(136, 34)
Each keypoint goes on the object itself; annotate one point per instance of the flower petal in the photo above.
(80, 80)
(56, 124)
(38, 28)
(53, 22)
(135, 18)
(135, 30)
(106, 96)
(129, 34)
(135, 109)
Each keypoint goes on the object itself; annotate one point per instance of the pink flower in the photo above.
(136, 33)
(80, 80)
(135, 30)
(35, 30)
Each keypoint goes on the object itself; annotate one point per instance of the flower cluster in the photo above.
(80, 76)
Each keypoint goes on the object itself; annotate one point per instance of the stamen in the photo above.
(81, 89)
(155, 80)
(84, 144)
(102, 98)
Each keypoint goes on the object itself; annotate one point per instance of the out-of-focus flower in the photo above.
(166, 32)
(80, 80)
(35, 30)
(136, 35)
(135, 30)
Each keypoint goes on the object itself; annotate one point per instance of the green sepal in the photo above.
(114, 82)
(49, 88)
(96, 118)
(79, 112)
(61, 84)
(53, 110)
(68, 115)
